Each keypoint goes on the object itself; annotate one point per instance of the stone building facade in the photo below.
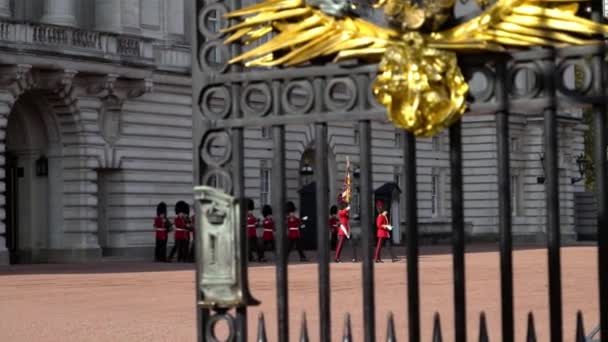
(96, 126)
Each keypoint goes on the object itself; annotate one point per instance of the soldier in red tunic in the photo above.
(182, 232)
(268, 234)
(252, 225)
(383, 229)
(344, 231)
(161, 228)
(334, 226)
(192, 251)
(293, 225)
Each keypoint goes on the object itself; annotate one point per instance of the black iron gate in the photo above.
(220, 113)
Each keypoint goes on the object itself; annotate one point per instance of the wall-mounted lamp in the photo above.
(42, 167)
(583, 164)
(357, 172)
(541, 179)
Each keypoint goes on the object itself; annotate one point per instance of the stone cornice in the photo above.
(112, 86)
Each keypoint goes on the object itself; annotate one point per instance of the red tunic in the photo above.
(334, 225)
(382, 232)
(343, 216)
(293, 224)
(252, 223)
(268, 225)
(181, 231)
(159, 226)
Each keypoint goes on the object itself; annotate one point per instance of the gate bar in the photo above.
(601, 184)
(411, 216)
(552, 200)
(278, 204)
(504, 204)
(458, 237)
(367, 231)
(322, 197)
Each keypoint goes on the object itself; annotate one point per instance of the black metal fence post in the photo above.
(411, 215)
(552, 200)
(321, 179)
(504, 202)
(279, 197)
(458, 233)
(367, 231)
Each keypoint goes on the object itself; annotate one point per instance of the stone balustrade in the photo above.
(41, 38)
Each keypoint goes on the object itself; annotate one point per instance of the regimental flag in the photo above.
(346, 193)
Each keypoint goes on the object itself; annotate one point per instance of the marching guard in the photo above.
(334, 226)
(268, 233)
(182, 233)
(161, 227)
(252, 225)
(384, 231)
(344, 231)
(293, 225)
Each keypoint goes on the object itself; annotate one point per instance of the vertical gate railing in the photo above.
(221, 278)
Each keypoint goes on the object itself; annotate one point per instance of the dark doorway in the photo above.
(308, 208)
(12, 209)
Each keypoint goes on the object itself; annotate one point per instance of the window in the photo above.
(398, 140)
(266, 133)
(515, 195)
(355, 203)
(265, 175)
(514, 145)
(356, 137)
(397, 176)
(435, 195)
(436, 141)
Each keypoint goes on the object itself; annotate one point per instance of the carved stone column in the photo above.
(59, 12)
(5, 9)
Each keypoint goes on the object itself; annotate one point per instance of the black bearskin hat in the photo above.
(161, 209)
(333, 210)
(266, 210)
(182, 207)
(250, 205)
(290, 207)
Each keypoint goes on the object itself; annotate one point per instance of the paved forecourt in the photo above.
(126, 301)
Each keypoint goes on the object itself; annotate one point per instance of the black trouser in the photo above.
(160, 252)
(267, 245)
(254, 246)
(389, 241)
(351, 244)
(192, 252)
(333, 240)
(182, 250)
(296, 243)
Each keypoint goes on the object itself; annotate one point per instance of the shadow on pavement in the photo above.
(116, 266)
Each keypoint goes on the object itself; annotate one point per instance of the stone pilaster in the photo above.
(175, 17)
(59, 12)
(117, 16)
(5, 9)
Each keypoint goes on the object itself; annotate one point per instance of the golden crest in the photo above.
(419, 82)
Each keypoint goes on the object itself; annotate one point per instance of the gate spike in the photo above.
(304, 329)
(390, 329)
(483, 329)
(531, 335)
(348, 336)
(261, 329)
(580, 329)
(437, 329)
